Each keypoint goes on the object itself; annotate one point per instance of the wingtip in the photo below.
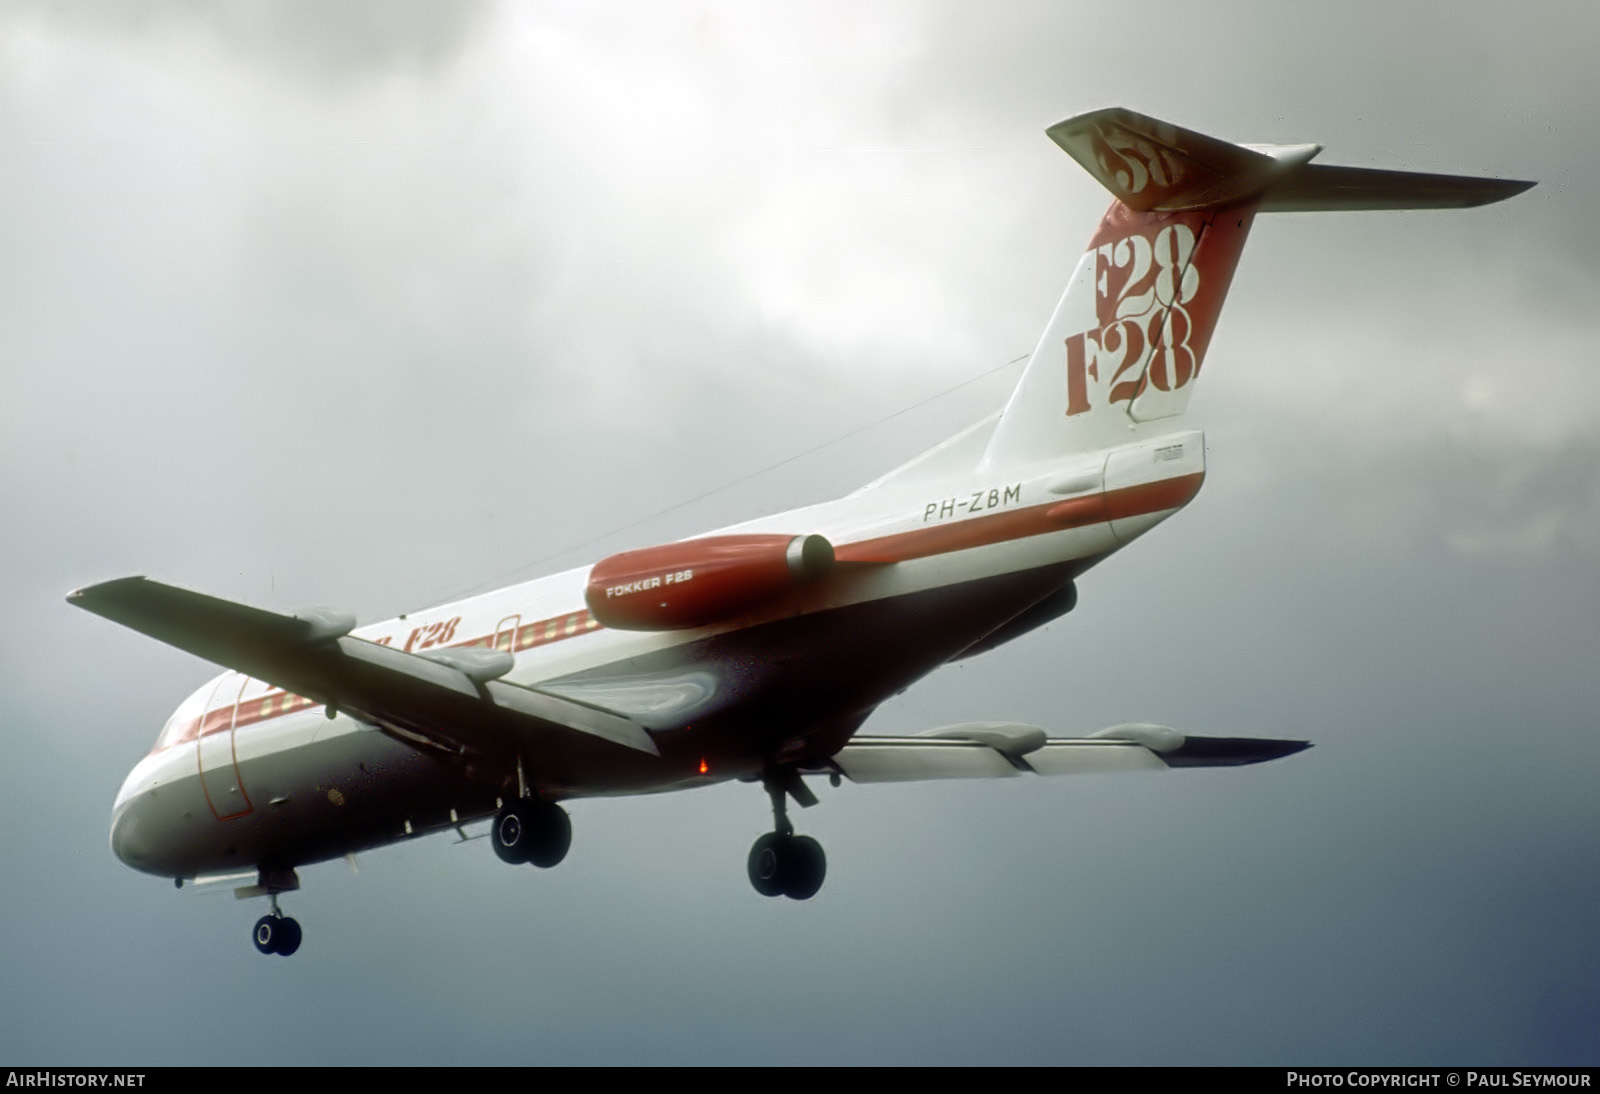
(1502, 189)
(1231, 751)
(88, 592)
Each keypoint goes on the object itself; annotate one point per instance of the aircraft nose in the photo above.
(125, 841)
(134, 838)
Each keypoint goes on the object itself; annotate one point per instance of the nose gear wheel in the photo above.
(276, 932)
(279, 934)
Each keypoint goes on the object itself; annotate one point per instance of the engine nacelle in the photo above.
(701, 581)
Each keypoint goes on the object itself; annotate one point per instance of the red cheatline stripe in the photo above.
(1056, 516)
(1129, 501)
(275, 703)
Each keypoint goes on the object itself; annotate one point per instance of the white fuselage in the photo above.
(245, 773)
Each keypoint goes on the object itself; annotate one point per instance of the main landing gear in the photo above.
(530, 830)
(276, 932)
(782, 863)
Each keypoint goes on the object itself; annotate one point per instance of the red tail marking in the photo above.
(1160, 280)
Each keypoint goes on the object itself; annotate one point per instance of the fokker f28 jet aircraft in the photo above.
(755, 652)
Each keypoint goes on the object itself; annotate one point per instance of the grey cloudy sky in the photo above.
(375, 304)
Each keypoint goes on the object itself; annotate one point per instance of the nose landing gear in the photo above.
(782, 863)
(276, 932)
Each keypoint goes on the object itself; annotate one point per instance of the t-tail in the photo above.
(1123, 351)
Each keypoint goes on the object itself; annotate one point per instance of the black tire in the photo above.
(551, 836)
(288, 936)
(766, 864)
(804, 867)
(511, 834)
(267, 934)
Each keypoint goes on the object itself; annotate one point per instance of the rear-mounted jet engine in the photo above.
(701, 581)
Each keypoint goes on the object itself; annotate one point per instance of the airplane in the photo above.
(755, 652)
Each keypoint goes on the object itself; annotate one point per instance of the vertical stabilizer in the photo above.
(1122, 353)
(1127, 341)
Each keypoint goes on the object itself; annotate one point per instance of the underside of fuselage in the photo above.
(787, 692)
(793, 690)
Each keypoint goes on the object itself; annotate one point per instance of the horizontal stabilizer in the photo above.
(997, 750)
(451, 699)
(1154, 166)
(1321, 188)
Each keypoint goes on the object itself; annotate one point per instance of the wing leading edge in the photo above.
(449, 699)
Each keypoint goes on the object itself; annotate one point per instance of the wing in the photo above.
(451, 699)
(990, 750)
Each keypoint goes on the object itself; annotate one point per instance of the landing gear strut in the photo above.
(276, 932)
(782, 863)
(529, 830)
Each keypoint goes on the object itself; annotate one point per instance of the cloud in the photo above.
(330, 44)
(369, 311)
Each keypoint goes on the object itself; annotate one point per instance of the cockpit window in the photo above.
(185, 721)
